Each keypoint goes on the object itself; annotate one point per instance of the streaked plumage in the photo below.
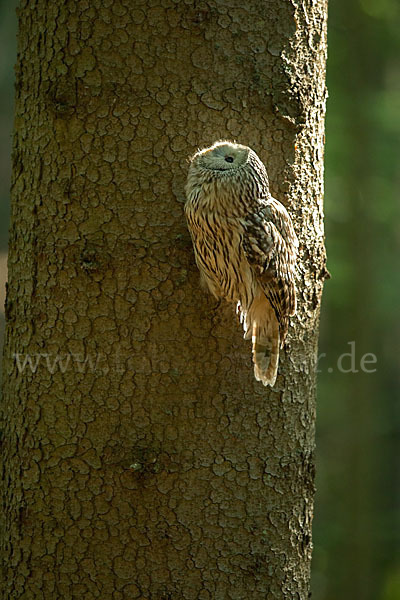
(245, 245)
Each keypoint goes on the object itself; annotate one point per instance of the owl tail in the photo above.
(265, 340)
(261, 324)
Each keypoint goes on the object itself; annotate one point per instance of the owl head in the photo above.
(222, 156)
(230, 167)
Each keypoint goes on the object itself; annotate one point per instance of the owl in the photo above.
(245, 246)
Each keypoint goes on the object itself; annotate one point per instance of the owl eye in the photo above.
(229, 159)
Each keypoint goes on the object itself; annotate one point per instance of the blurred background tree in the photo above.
(357, 524)
(356, 527)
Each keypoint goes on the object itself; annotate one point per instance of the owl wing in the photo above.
(270, 246)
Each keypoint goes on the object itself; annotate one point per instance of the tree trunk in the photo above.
(142, 459)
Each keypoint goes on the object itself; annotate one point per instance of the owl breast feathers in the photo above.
(245, 246)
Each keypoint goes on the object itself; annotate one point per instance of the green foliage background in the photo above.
(357, 524)
(357, 528)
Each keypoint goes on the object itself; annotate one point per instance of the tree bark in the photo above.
(142, 459)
